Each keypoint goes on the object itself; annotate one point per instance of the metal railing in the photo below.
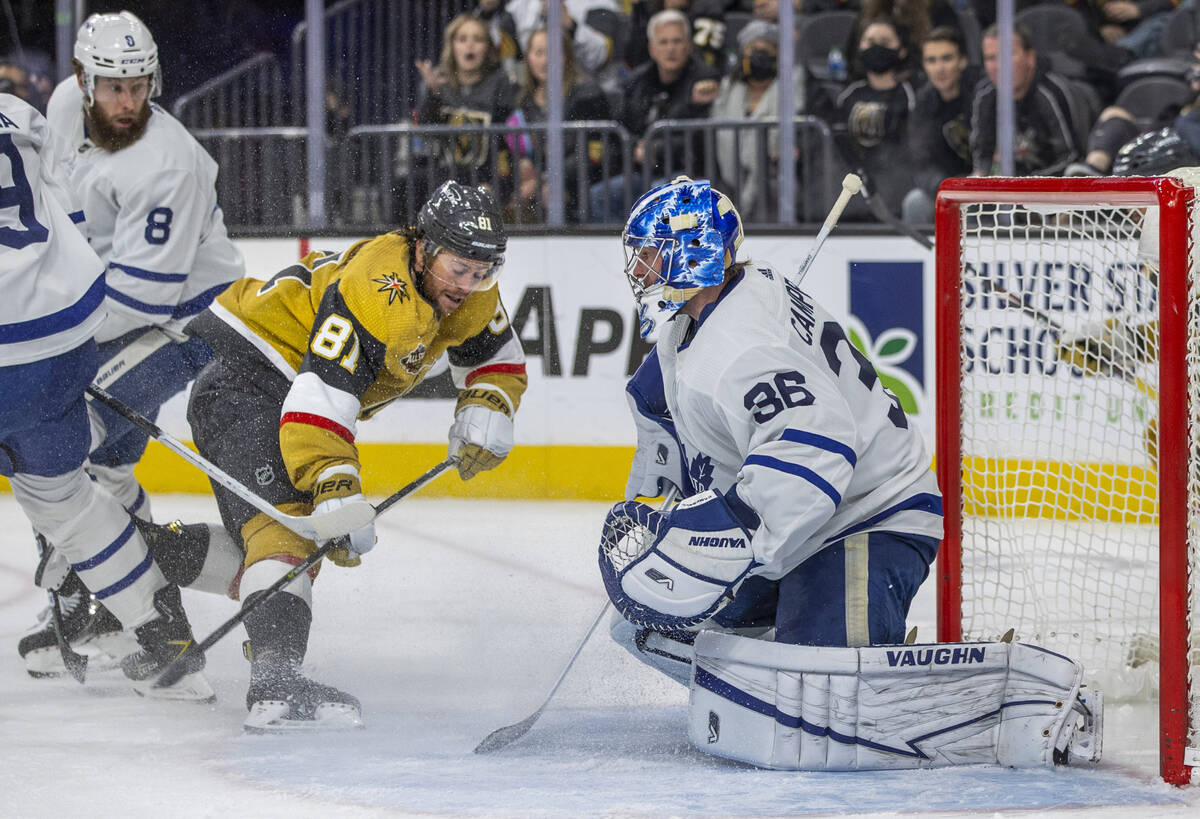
(378, 176)
(261, 183)
(391, 169)
(249, 95)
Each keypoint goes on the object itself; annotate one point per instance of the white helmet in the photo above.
(116, 45)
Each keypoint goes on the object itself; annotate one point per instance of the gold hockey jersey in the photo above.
(352, 332)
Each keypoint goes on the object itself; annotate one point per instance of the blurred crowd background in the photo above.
(901, 91)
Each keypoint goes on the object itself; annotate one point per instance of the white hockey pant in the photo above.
(95, 533)
(814, 708)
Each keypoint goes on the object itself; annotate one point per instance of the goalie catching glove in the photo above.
(336, 487)
(482, 434)
(673, 571)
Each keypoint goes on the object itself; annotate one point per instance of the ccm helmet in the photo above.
(465, 220)
(679, 238)
(116, 45)
(1155, 153)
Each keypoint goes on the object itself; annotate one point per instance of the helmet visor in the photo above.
(462, 273)
(647, 261)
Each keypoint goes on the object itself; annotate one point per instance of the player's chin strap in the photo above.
(793, 707)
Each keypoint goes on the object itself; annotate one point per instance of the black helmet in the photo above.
(465, 220)
(1155, 153)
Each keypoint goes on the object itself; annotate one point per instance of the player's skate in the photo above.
(88, 627)
(280, 698)
(162, 640)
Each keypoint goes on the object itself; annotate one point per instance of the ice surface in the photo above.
(456, 624)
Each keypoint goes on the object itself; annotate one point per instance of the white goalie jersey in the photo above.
(768, 393)
(151, 214)
(53, 282)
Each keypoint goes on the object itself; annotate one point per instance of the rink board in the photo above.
(572, 309)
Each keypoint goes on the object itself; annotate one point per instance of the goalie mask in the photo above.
(116, 45)
(464, 220)
(679, 238)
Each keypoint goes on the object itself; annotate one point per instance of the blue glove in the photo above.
(697, 556)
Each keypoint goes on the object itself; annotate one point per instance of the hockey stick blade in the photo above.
(176, 670)
(509, 734)
(75, 663)
(503, 737)
(340, 521)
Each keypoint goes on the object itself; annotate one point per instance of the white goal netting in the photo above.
(1058, 414)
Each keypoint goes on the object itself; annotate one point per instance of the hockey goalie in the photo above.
(777, 590)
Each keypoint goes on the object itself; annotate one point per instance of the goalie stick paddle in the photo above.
(327, 525)
(503, 737)
(178, 667)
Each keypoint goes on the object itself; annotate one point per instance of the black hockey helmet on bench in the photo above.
(1155, 153)
(465, 220)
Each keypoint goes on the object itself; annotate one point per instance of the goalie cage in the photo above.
(1072, 496)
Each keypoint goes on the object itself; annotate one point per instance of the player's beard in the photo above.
(111, 138)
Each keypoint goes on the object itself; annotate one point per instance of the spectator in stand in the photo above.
(594, 27)
(872, 113)
(939, 130)
(467, 87)
(503, 30)
(768, 10)
(673, 85)
(16, 81)
(1117, 127)
(1135, 25)
(913, 19)
(750, 92)
(1044, 139)
(583, 100)
(708, 29)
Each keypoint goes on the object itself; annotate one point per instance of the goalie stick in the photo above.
(503, 737)
(178, 668)
(851, 184)
(324, 526)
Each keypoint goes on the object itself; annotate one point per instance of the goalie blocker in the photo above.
(792, 707)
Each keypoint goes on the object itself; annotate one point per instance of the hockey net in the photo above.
(1068, 401)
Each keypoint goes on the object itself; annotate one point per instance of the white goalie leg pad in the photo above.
(794, 707)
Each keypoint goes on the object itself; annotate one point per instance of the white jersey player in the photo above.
(53, 283)
(813, 509)
(147, 192)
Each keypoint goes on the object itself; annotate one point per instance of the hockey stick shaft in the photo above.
(313, 527)
(502, 737)
(851, 184)
(177, 669)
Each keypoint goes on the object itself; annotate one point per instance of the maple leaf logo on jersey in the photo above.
(412, 362)
(395, 287)
(701, 472)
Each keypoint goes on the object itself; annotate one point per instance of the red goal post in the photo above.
(1068, 408)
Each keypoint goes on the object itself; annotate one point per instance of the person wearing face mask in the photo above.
(750, 92)
(872, 113)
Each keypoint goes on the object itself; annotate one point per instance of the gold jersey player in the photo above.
(300, 359)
